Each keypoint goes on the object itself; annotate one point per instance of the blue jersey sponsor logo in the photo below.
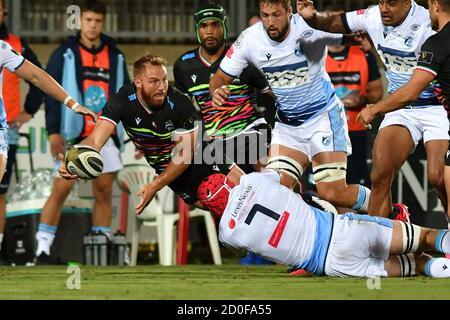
(398, 61)
(287, 76)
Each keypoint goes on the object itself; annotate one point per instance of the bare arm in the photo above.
(326, 21)
(48, 85)
(97, 139)
(400, 98)
(102, 131)
(218, 87)
(180, 161)
(374, 91)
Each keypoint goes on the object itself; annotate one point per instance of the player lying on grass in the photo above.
(267, 218)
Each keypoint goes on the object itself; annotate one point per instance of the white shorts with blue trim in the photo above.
(359, 246)
(427, 123)
(4, 143)
(327, 132)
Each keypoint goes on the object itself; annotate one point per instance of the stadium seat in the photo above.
(131, 178)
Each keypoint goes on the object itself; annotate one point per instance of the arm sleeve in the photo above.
(355, 20)
(432, 56)
(9, 57)
(331, 39)
(53, 107)
(111, 111)
(35, 96)
(237, 57)
(374, 72)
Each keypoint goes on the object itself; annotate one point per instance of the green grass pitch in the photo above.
(205, 282)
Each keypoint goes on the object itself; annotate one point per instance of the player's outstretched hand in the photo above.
(63, 172)
(306, 9)
(146, 193)
(366, 116)
(220, 95)
(86, 111)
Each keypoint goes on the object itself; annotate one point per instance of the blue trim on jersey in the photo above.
(400, 53)
(132, 97)
(288, 67)
(3, 122)
(188, 56)
(438, 240)
(361, 198)
(299, 119)
(324, 229)
(338, 128)
(199, 93)
(385, 222)
(428, 267)
(414, 6)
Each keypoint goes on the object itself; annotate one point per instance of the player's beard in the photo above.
(281, 35)
(154, 100)
(212, 49)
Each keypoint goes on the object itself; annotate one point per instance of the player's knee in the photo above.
(330, 172)
(103, 194)
(411, 237)
(436, 177)
(381, 176)
(427, 239)
(287, 165)
(330, 194)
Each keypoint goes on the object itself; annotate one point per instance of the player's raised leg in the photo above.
(329, 170)
(436, 150)
(392, 147)
(102, 189)
(288, 160)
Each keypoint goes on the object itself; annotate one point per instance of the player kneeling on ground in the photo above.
(267, 218)
(162, 124)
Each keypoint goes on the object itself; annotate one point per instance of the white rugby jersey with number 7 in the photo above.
(269, 219)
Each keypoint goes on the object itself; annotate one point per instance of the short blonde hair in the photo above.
(146, 59)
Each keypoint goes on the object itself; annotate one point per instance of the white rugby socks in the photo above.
(362, 200)
(438, 268)
(45, 237)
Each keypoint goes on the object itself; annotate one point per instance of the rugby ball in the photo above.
(84, 161)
